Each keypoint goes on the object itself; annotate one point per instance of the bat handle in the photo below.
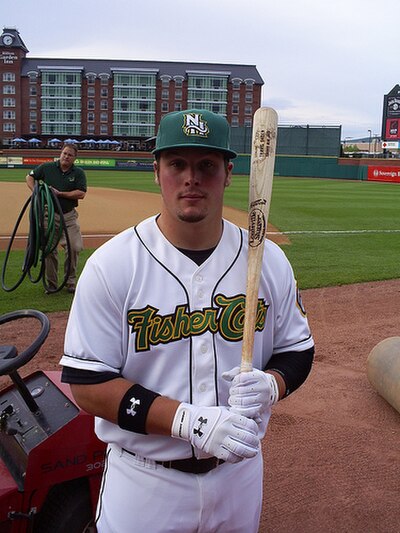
(246, 367)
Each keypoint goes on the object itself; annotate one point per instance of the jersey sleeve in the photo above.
(94, 336)
(291, 328)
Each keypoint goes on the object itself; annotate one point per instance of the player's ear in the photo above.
(228, 178)
(156, 179)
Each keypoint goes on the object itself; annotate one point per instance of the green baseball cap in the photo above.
(194, 128)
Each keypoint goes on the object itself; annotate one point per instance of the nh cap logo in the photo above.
(193, 124)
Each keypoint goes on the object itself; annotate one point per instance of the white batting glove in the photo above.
(217, 431)
(251, 393)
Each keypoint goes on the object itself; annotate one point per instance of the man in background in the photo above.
(68, 183)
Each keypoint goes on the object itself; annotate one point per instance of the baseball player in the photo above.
(153, 348)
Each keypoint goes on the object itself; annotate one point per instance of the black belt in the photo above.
(191, 465)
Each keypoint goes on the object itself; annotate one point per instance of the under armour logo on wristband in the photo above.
(202, 422)
(134, 402)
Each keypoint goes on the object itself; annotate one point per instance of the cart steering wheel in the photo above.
(10, 359)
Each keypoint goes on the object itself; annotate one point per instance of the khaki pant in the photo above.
(76, 244)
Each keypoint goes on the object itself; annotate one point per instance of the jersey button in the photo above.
(199, 278)
(204, 348)
(203, 387)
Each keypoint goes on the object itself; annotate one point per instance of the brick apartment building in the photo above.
(112, 99)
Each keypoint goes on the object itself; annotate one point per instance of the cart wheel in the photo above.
(67, 509)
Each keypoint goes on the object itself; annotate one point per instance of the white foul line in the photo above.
(333, 232)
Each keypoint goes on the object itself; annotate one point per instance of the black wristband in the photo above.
(287, 391)
(134, 408)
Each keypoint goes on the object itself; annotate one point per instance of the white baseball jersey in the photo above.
(147, 312)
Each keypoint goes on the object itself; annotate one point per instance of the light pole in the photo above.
(369, 144)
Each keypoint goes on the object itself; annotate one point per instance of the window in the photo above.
(248, 122)
(104, 92)
(235, 122)
(249, 85)
(8, 127)
(32, 115)
(52, 78)
(249, 98)
(143, 106)
(164, 107)
(70, 78)
(32, 103)
(32, 127)
(178, 82)
(8, 102)
(9, 89)
(90, 129)
(235, 96)
(8, 76)
(235, 109)
(178, 94)
(104, 104)
(90, 117)
(248, 110)
(91, 78)
(178, 106)
(165, 94)
(165, 82)
(103, 130)
(9, 115)
(90, 104)
(236, 83)
(216, 83)
(103, 117)
(90, 91)
(33, 90)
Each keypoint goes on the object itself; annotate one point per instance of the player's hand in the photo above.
(217, 431)
(251, 393)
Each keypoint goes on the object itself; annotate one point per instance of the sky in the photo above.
(322, 62)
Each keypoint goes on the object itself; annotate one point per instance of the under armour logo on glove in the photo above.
(134, 402)
(202, 422)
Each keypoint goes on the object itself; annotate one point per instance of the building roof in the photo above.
(168, 68)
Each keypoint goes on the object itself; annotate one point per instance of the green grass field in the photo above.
(341, 231)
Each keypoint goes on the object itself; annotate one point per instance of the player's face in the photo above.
(192, 182)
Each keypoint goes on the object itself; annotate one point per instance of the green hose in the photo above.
(43, 237)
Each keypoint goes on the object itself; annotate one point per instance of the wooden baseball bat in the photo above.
(265, 127)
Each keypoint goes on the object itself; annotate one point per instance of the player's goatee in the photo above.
(195, 217)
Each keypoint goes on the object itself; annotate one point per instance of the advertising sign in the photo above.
(95, 162)
(137, 164)
(392, 129)
(379, 173)
(34, 161)
(391, 115)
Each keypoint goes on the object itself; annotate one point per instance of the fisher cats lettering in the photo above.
(226, 318)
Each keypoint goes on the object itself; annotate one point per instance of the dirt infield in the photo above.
(332, 454)
(104, 212)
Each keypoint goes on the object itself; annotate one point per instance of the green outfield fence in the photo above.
(285, 165)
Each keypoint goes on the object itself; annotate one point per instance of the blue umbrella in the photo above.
(34, 140)
(18, 140)
(55, 140)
